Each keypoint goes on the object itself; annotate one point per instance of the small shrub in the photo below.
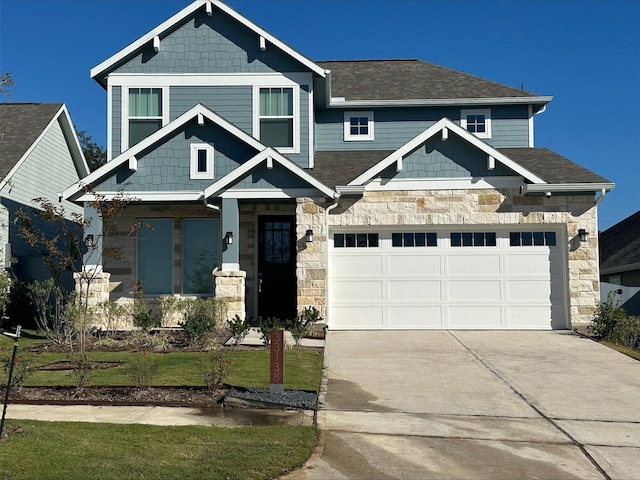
(607, 315)
(300, 326)
(141, 369)
(266, 326)
(215, 367)
(22, 369)
(81, 369)
(627, 332)
(56, 311)
(144, 318)
(239, 329)
(169, 307)
(113, 315)
(201, 318)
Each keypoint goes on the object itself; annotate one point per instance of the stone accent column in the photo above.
(230, 286)
(98, 286)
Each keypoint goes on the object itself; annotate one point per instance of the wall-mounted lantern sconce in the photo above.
(228, 238)
(88, 240)
(584, 235)
(308, 236)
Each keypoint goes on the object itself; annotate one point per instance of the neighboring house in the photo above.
(620, 262)
(39, 157)
(389, 194)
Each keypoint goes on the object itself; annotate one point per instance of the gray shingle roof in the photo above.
(620, 244)
(340, 167)
(409, 80)
(22, 123)
(551, 167)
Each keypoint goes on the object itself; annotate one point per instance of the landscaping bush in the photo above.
(607, 315)
(301, 325)
(141, 369)
(214, 367)
(238, 328)
(56, 311)
(22, 368)
(144, 318)
(627, 332)
(113, 315)
(201, 318)
(266, 325)
(169, 307)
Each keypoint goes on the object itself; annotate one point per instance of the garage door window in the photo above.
(410, 239)
(473, 239)
(536, 239)
(355, 240)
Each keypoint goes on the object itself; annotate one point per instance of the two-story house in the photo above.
(389, 194)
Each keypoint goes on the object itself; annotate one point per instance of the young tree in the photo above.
(94, 154)
(6, 82)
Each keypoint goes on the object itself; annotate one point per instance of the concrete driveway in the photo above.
(476, 404)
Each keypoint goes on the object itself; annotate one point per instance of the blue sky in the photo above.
(585, 53)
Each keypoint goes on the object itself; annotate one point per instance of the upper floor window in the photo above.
(358, 126)
(201, 165)
(145, 113)
(476, 121)
(276, 117)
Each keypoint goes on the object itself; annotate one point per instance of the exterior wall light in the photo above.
(584, 235)
(88, 240)
(308, 236)
(228, 238)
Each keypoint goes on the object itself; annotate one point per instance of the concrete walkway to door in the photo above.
(476, 404)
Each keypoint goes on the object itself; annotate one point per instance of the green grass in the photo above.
(28, 339)
(627, 351)
(55, 450)
(250, 368)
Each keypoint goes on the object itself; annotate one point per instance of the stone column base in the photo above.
(230, 286)
(98, 286)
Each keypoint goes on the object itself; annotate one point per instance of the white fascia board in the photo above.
(567, 187)
(249, 165)
(158, 136)
(430, 132)
(185, 12)
(210, 79)
(186, 196)
(440, 102)
(257, 194)
(462, 183)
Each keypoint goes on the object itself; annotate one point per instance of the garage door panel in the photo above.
(363, 291)
(412, 290)
(357, 265)
(414, 265)
(527, 263)
(358, 317)
(529, 316)
(415, 316)
(474, 290)
(527, 289)
(475, 316)
(462, 263)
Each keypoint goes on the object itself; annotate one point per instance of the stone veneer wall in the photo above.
(456, 207)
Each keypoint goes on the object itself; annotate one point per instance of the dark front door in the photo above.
(277, 267)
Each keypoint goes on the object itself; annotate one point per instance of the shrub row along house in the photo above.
(389, 194)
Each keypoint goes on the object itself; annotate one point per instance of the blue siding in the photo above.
(216, 44)
(230, 102)
(394, 127)
(453, 158)
(277, 177)
(166, 167)
(116, 121)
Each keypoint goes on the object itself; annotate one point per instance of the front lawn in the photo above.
(105, 451)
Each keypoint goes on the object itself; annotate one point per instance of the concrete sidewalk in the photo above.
(216, 417)
(476, 404)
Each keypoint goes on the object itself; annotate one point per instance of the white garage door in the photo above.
(508, 279)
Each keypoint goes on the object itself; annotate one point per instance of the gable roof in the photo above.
(415, 80)
(619, 245)
(23, 124)
(100, 71)
(336, 168)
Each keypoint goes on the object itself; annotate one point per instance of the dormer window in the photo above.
(476, 121)
(358, 126)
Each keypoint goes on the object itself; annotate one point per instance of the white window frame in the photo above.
(348, 136)
(124, 138)
(296, 115)
(194, 174)
(477, 111)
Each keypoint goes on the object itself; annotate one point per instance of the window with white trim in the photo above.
(155, 256)
(358, 126)
(144, 113)
(477, 121)
(200, 247)
(276, 122)
(201, 164)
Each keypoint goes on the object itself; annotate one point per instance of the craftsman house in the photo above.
(39, 157)
(391, 194)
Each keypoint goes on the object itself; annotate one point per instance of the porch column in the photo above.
(92, 283)
(230, 280)
(230, 225)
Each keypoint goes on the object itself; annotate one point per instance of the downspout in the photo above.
(326, 230)
(217, 209)
(603, 193)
